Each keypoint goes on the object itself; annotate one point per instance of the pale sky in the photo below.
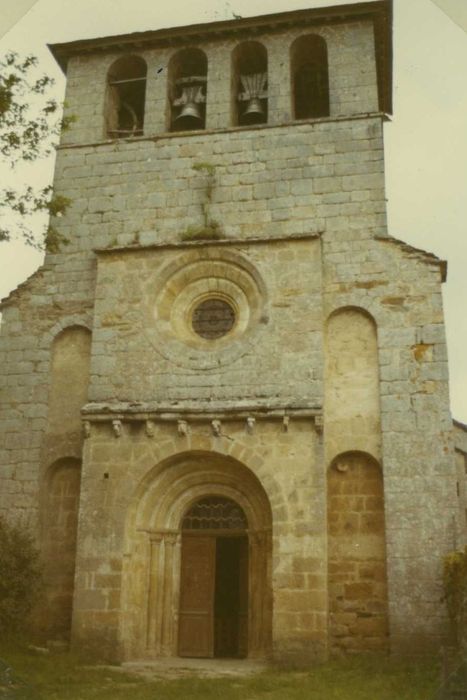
(425, 145)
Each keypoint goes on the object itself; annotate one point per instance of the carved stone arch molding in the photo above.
(152, 559)
(178, 290)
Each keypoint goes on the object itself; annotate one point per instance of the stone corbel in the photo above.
(150, 428)
(183, 428)
(216, 428)
(87, 429)
(250, 425)
(117, 428)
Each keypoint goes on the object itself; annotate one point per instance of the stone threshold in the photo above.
(177, 667)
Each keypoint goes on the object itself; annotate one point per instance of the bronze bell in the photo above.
(190, 111)
(191, 116)
(254, 111)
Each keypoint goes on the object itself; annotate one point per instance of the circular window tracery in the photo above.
(176, 324)
(213, 318)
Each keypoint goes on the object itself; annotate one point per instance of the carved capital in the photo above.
(156, 537)
(150, 428)
(170, 538)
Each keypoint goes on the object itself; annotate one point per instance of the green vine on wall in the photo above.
(455, 593)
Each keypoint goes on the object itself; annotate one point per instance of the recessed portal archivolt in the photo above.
(220, 506)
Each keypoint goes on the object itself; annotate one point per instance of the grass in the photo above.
(64, 677)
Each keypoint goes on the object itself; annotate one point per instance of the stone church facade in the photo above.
(225, 404)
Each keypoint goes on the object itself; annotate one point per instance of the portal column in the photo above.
(154, 635)
(168, 611)
(161, 594)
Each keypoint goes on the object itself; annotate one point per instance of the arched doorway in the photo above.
(213, 615)
(165, 511)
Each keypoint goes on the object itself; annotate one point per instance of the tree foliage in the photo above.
(30, 124)
(20, 577)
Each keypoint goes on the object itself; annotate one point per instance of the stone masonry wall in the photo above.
(145, 352)
(269, 181)
(385, 278)
(54, 298)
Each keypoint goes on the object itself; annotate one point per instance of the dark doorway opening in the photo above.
(230, 597)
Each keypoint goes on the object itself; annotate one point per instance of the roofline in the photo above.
(460, 425)
(424, 255)
(378, 11)
(15, 293)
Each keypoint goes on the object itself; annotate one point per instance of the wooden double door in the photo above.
(213, 616)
